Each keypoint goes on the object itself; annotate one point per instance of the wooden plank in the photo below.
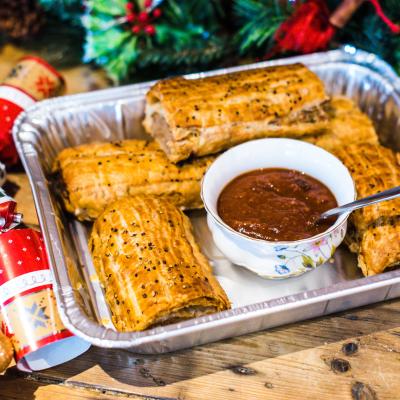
(217, 356)
(209, 367)
(364, 367)
(76, 393)
(308, 372)
(15, 387)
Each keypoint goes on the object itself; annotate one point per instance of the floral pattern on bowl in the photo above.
(279, 261)
(312, 254)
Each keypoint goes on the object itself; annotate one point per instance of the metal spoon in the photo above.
(366, 201)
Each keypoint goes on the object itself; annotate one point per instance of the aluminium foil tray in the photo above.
(114, 114)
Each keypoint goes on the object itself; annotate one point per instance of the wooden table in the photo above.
(351, 355)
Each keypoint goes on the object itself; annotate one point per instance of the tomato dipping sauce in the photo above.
(276, 204)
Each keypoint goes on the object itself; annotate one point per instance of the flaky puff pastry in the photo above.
(6, 352)
(150, 266)
(376, 235)
(204, 116)
(93, 175)
(347, 125)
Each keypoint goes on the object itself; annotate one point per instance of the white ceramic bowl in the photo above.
(277, 260)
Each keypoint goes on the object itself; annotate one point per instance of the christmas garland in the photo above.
(124, 36)
(144, 39)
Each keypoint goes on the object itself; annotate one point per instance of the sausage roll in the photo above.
(93, 175)
(375, 234)
(204, 116)
(150, 266)
(347, 125)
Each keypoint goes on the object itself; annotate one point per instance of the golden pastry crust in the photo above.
(93, 175)
(6, 352)
(347, 125)
(205, 116)
(379, 247)
(150, 266)
(374, 168)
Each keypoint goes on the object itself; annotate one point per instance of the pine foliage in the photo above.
(259, 19)
(367, 31)
(65, 10)
(186, 34)
(189, 35)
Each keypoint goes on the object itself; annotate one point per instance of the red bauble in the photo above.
(148, 3)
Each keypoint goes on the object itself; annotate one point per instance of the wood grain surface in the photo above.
(351, 355)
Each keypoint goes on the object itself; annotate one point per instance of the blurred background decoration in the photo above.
(149, 39)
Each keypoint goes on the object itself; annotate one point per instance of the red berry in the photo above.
(129, 6)
(136, 29)
(143, 16)
(131, 17)
(148, 3)
(156, 13)
(150, 30)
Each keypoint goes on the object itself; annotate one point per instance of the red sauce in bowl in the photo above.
(276, 204)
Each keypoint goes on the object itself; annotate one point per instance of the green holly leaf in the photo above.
(100, 44)
(95, 23)
(114, 7)
(119, 67)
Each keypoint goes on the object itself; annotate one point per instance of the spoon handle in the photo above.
(366, 201)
